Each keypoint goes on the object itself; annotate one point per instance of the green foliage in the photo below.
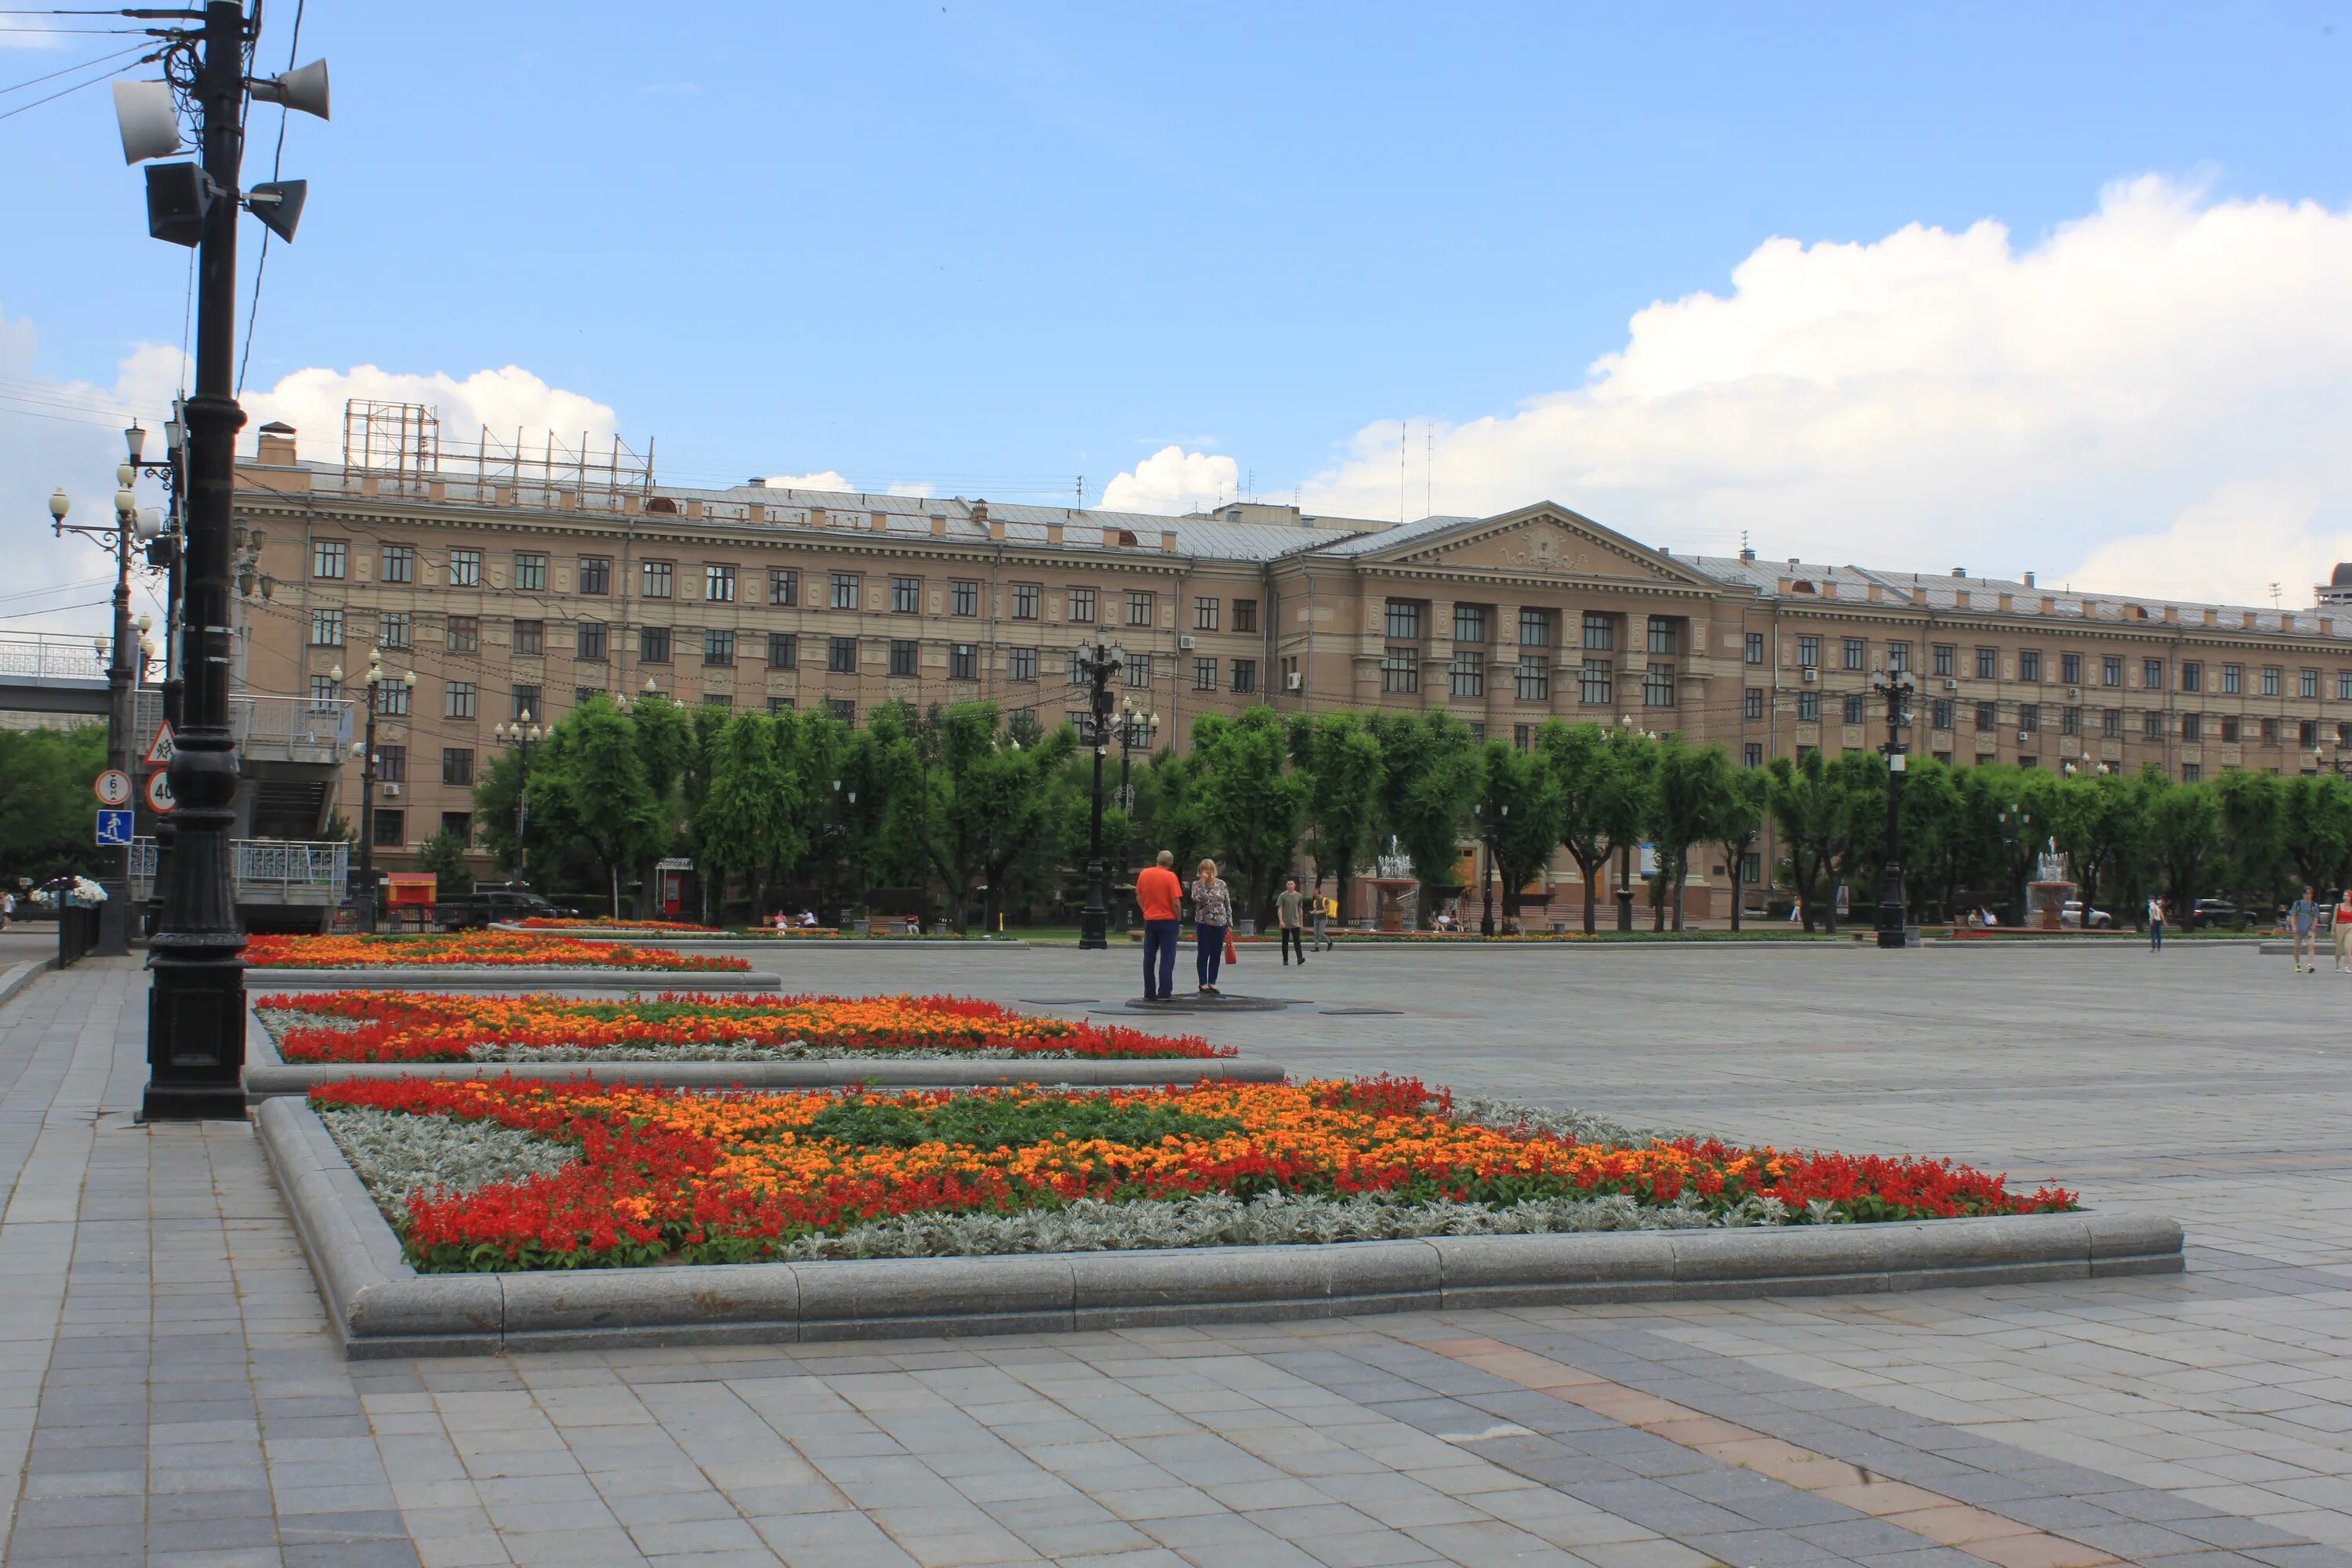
(1249, 804)
(589, 785)
(1520, 812)
(1341, 762)
(1687, 787)
(1430, 776)
(444, 854)
(2184, 833)
(47, 820)
(1600, 800)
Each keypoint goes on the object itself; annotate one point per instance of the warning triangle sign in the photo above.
(158, 749)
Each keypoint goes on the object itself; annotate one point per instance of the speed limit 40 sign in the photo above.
(159, 793)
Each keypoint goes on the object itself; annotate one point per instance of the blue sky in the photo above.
(990, 249)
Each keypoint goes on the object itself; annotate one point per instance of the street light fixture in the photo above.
(1894, 918)
(522, 740)
(364, 887)
(1094, 667)
(1626, 735)
(129, 524)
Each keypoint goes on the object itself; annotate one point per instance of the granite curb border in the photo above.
(16, 976)
(422, 977)
(268, 1075)
(380, 1307)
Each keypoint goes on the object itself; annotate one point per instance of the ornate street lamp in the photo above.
(1094, 667)
(1893, 919)
(522, 740)
(363, 888)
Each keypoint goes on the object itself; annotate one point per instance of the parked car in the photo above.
(2071, 915)
(2219, 913)
(471, 911)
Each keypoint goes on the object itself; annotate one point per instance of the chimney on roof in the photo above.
(1745, 554)
(2028, 579)
(980, 510)
(1959, 570)
(1168, 540)
(276, 445)
(939, 525)
(1792, 564)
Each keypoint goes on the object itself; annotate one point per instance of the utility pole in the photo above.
(1893, 919)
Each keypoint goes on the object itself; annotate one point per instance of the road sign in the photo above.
(113, 787)
(159, 793)
(158, 749)
(113, 829)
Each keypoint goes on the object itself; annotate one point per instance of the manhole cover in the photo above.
(1057, 1001)
(1363, 1011)
(1194, 1004)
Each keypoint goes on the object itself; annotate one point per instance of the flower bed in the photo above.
(413, 1026)
(470, 950)
(666, 1177)
(574, 922)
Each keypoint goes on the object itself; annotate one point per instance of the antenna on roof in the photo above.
(2275, 596)
(1404, 429)
(1079, 491)
(1428, 469)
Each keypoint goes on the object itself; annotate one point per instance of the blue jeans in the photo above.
(2156, 934)
(1212, 952)
(1159, 957)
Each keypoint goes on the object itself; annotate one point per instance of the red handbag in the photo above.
(1233, 953)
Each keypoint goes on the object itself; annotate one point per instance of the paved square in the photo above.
(168, 1392)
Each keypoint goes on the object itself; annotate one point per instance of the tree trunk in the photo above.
(1738, 886)
(1680, 872)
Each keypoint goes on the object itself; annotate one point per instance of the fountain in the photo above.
(1394, 889)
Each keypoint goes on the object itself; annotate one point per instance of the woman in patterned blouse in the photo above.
(1213, 912)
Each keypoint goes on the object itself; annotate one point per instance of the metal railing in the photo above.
(46, 655)
(291, 721)
(265, 870)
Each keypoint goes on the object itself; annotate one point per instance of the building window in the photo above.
(2069, 669)
(400, 564)
(906, 657)
(465, 568)
(326, 629)
(1245, 615)
(2307, 731)
(906, 596)
(1244, 675)
(1855, 708)
(391, 699)
(718, 584)
(2151, 674)
(458, 825)
(328, 558)
(1535, 628)
(2270, 731)
(1021, 664)
(963, 597)
(783, 650)
(2192, 727)
(657, 578)
(1138, 609)
(1599, 632)
(391, 827)
(2111, 724)
(1403, 620)
(653, 644)
(840, 655)
(963, 662)
(531, 637)
(395, 628)
(1898, 657)
(1535, 677)
(1988, 716)
(2111, 670)
(1204, 615)
(527, 704)
(1522, 736)
(2193, 675)
(531, 572)
(1946, 658)
(1850, 654)
(2270, 681)
(1138, 670)
(392, 764)
(465, 633)
(2232, 678)
(1753, 653)
(718, 648)
(1752, 755)
(1470, 623)
(2307, 683)
(1204, 675)
(1809, 706)
(1751, 703)
(1808, 652)
(783, 586)
(1024, 601)
(1467, 674)
(843, 709)
(458, 701)
(1988, 664)
(1658, 686)
(718, 700)
(1665, 635)
(1939, 713)
(845, 590)
(1289, 668)
(2029, 668)
(2229, 729)
(1400, 668)
(2151, 725)
(325, 690)
(2191, 773)
(588, 641)
(2029, 718)
(1082, 605)
(1596, 683)
(2344, 686)
(595, 574)
(2070, 720)
(781, 705)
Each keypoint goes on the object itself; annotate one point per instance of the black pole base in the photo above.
(114, 918)
(1094, 927)
(164, 1102)
(1624, 911)
(195, 1041)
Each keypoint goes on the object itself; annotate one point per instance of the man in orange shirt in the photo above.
(1161, 895)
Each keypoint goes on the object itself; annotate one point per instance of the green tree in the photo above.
(2184, 832)
(444, 854)
(588, 784)
(1732, 826)
(1688, 785)
(1249, 802)
(1429, 777)
(1520, 812)
(2253, 827)
(2316, 828)
(1597, 809)
(1340, 761)
(45, 804)
(747, 823)
(1809, 809)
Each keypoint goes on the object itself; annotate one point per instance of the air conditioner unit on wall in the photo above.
(1290, 681)
(1950, 685)
(392, 791)
(1811, 674)
(1188, 644)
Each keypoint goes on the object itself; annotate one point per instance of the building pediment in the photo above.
(1544, 540)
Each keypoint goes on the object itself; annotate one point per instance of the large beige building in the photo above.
(525, 592)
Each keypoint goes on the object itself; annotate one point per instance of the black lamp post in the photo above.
(1892, 917)
(1133, 722)
(1492, 814)
(1625, 849)
(363, 891)
(523, 735)
(1094, 667)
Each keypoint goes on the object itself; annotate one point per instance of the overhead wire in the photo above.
(111, 71)
(69, 70)
(261, 262)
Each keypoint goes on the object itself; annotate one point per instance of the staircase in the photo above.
(288, 807)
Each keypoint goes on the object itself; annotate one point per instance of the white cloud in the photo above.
(2151, 399)
(827, 480)
(1173, 480)
(502, 402)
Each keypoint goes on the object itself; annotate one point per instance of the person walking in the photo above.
(1290, 913)
(2341, 928)
(1322, 918)
(2156, 923)
(1212, 915)
(7, 907)
(2304, 915)
(1160, 894)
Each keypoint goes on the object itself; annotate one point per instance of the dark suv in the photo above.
(473, 911)
(2207, 913)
